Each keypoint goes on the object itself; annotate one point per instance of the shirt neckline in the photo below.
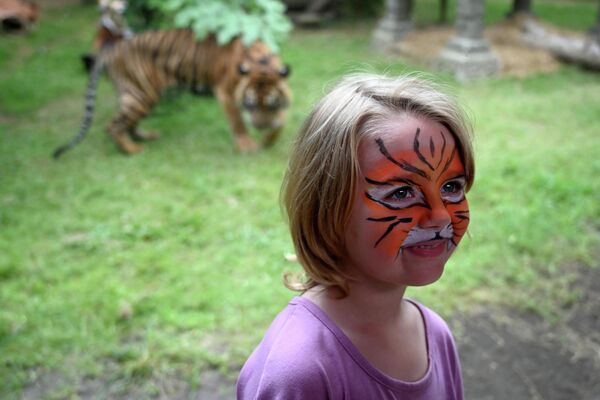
(361, 361)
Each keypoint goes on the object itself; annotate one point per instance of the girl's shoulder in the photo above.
(299, 329)
(290, 350)
(436, 327)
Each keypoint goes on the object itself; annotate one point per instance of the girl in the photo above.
(375, 197)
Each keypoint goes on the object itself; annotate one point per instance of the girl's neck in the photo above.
(364, 306)
(386, 330)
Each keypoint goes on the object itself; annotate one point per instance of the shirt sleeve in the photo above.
(298, 380)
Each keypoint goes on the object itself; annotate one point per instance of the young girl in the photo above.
(375, 196)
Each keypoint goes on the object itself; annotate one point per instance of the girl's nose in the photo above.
(437, 217)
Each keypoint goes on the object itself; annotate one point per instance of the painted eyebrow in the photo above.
(389, 182)
(402, 163)
(460, 176)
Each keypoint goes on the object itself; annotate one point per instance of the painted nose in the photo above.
(437, 217)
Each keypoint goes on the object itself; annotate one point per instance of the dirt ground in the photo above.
(505, 40)
(509, 355)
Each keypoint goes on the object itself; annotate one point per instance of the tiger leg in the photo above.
(140, 108)
(134, 104)
(243, 141)
(119, 130)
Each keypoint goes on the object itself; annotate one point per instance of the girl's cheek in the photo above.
(391, 247)
(460, 218)
(388, 237)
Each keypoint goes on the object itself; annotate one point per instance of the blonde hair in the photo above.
(318, 187)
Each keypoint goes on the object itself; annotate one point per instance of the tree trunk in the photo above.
(583, 51)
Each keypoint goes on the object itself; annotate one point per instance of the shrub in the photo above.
(227, 19)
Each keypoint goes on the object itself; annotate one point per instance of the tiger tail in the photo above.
(90, 101)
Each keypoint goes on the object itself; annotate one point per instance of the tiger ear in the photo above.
(285, 71)
(243, 69)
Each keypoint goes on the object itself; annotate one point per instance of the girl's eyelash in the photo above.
(454, 183)
(459, 183)
(406, 189)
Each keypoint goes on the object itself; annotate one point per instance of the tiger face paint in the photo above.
(410, 210)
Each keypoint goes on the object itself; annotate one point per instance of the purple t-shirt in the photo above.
(304, 355)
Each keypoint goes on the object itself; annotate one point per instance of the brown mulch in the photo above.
(518, 59)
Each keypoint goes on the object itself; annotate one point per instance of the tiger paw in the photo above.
(245, 144)
(144, 136)
(131, 148)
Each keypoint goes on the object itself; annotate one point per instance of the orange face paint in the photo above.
(406, 187)
(410, 210)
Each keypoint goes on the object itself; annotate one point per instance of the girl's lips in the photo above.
(431, 248)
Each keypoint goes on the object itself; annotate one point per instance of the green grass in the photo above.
(132, 267)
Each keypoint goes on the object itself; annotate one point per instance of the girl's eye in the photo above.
(402, 193)
(396, 197)
(452, 187)
(453, 190)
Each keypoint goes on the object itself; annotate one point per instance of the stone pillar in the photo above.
(394, 24)
(467, 55)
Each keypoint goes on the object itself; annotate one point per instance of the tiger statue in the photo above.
(245, 80)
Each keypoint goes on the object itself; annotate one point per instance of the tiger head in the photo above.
(262, 92)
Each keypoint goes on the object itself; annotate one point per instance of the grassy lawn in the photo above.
(171, 261)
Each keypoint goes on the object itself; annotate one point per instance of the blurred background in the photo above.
(155, 275)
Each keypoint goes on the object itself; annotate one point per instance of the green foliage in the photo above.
(141, 15)
(250, 19)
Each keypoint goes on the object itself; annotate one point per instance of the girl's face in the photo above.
(410, 210)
